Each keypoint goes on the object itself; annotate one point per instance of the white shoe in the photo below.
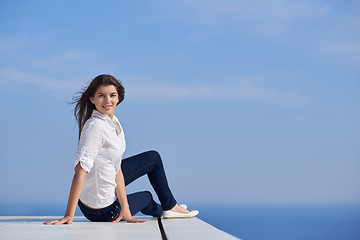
(172, 214)
(183, 206)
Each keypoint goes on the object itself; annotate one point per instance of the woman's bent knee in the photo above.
(154, 155)
(146, 195)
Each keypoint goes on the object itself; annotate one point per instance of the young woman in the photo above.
(98, 186)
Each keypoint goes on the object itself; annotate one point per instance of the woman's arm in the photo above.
(125, 213)
(75, 191)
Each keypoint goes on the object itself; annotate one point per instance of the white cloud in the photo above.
(64, 60)
(241, 90)
(308, 25)
(55, 60)
(346, 43)
(264, 9)
(10, 76)
(49, 70)
(10, 44)
(7, 44)
(347, 50)
(263, 17)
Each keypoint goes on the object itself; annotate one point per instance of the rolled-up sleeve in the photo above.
(90, 143)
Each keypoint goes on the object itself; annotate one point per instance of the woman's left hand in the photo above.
(125, 214)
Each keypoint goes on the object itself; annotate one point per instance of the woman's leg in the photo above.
(144, 202)
(149, 163)
(106, 214)
(139, 201)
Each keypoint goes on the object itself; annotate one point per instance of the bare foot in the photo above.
(179, 209)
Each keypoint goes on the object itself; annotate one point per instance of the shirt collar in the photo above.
(113, 122)
(104, 117)
(115, 119)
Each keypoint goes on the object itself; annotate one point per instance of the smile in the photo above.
(107, 107)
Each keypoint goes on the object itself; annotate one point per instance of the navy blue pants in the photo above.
(147, 163)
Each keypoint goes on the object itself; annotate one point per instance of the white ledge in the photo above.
(32, 227)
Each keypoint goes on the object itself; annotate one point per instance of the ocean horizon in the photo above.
(258, 221)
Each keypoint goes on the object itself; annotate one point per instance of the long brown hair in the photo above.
(84, 107)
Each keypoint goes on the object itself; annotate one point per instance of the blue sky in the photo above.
(247, 101)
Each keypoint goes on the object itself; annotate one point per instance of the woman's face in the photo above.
(106, 99)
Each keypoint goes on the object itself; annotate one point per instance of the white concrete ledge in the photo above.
(32, 227)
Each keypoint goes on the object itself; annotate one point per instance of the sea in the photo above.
(252, 221)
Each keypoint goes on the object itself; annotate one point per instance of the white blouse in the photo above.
(100, 150)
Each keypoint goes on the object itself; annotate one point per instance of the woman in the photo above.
(98, 186)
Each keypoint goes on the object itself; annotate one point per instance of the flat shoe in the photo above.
(183, 206)
(172, 214)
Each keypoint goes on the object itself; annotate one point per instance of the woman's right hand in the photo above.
(76, 186)
(64, 220)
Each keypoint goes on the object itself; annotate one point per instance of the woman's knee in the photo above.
(147, 196)
(154, 155)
